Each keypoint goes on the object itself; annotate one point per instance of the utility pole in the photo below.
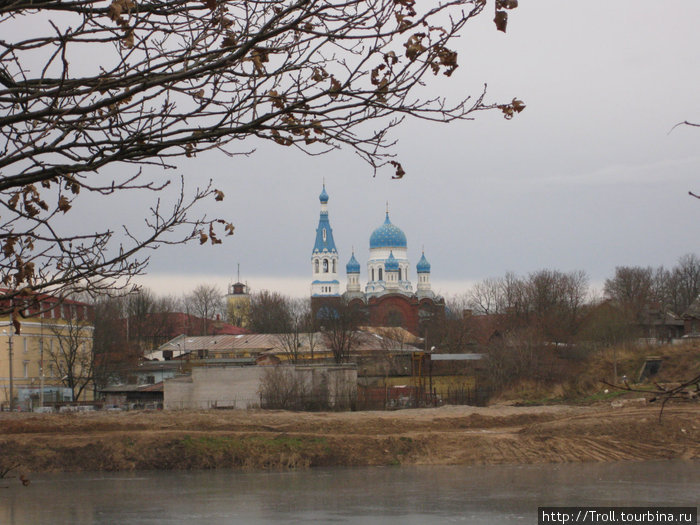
(41, 371)
(9, 346)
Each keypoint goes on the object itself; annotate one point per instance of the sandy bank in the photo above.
(276, 439)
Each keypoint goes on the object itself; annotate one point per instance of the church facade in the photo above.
(388, 298)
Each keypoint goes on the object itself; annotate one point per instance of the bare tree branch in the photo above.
(685, 390)
(85, 85)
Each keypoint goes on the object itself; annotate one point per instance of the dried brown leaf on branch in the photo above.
(64, 204)
(509, 110)
(501, 16)
(399, 173)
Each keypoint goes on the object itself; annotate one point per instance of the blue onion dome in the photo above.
(387, 236)
(423, 265)
(353, 266)
(391, 264)
(324, 196)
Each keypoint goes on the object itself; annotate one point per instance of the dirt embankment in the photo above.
(270, 439)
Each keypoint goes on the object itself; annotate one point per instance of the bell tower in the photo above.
(324, 257)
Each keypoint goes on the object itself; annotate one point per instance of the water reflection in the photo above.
(406, 495)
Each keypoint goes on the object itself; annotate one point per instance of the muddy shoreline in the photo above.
(281, 440)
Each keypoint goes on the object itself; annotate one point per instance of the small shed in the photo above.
(133, 396)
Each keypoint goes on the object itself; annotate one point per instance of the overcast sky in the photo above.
(588, 177)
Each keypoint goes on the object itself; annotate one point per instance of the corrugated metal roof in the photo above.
(276, 343)
(456, 357)
(156, 387)
(221, 342)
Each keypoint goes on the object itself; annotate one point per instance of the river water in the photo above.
(386, 496)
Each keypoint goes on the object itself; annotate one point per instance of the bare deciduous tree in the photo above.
(299, 327)
(269, 313)
(555, 301)
(487, 297)
(148, 319)
(113, 353)
(632, 287)
(72, 355)
(339, 327)
(281, 388)
(85, 85)
(206, 302)
(685, 277)
(452, 333)
(547, 304)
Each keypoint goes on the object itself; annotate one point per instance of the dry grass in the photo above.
(283, 440)
(580, 381)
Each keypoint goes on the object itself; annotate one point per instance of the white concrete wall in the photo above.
(231, 387)
(239, 387)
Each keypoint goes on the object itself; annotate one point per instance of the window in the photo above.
(325, 265)
(373, 274)
(324, 235)
(25, 346)
(399, 274)
(316, 266)
(380, 274)
(334, 270)
(25, 368)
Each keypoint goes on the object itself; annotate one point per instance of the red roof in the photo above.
(172, 324)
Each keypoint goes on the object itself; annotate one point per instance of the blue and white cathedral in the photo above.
(388, 298)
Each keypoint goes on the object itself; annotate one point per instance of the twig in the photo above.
(682, 391)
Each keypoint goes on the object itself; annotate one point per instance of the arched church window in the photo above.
(316, 265)
(380, 274)
(325, 265)
(334, 270)
(324, 235)
(399, 274)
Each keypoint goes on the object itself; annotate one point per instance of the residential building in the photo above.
(49, 342)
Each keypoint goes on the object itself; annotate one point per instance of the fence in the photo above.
(397, 397)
